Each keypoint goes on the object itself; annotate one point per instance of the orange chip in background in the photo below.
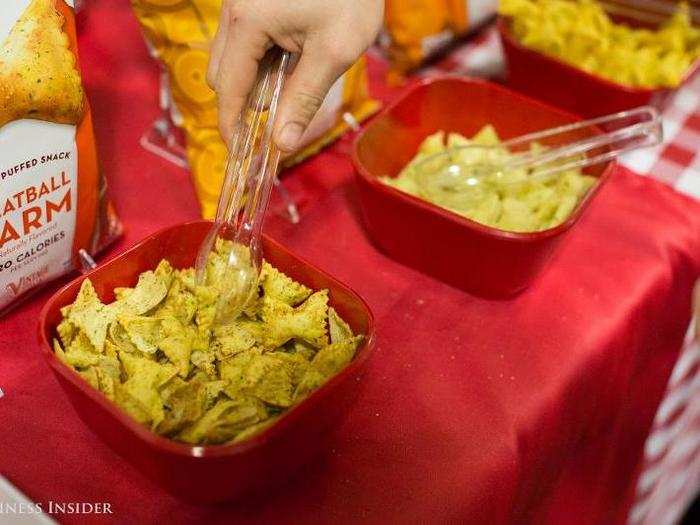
(180, 32)
(414, 30)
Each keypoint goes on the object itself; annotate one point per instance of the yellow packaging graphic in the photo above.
(180, 32)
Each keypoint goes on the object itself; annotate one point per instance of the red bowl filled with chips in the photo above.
(484, 260)
(569, 87)
(208, 472)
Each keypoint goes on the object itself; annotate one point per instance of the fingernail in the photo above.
(290, 136)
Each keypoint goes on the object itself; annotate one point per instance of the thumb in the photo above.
(304, 94)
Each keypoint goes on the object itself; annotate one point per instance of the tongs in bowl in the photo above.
(541, 155)
(250, 170)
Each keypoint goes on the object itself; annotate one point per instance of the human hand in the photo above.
(329, 36)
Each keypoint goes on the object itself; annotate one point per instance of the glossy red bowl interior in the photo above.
(468, 255)
(223, 472)
(565, 86)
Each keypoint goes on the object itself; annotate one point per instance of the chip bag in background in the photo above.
(179, 33)
(52, 195)
(416, 29)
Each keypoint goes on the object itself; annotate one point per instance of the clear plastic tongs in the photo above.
(250, 170)
(572, 146)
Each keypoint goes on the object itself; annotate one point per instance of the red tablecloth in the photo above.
(533, 409)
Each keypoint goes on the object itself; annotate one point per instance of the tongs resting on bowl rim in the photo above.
(465, 168)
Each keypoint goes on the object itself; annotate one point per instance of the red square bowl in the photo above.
(568, 87)
(468, 255)
(223, 472)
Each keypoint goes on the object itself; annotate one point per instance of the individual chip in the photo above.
(150, 290)
(432, 144)
(279, 287)
(131, 405)
(108, 371)
(207, 298)
(180, 302)
(176, 343)
(184, 404)
(118, 339)
(90, 375)
(237, 337)
(255, 429)
(338, 329)
(81, 353)
(224, 420)
(234, 370)
(66, 331)
(204, 360)
(144, 378)
(306, 322)
(327, 362)
(58, 351)
(268, 379)
(303, 349)
(144, 332)
(295, 365)
(90, 315)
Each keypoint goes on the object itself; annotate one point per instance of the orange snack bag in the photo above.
(416, 29)
(180, 33)
(52, 203)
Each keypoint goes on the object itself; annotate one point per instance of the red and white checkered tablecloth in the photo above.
(669, 478)
(676, 162)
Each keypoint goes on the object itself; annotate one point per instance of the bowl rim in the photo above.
(370, 179)
(503, 24)
(162, 443)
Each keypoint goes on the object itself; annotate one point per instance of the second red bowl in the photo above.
(468, 255)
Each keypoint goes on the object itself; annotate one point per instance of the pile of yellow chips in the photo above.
(156, 352)
(515, 200)
(581, 33)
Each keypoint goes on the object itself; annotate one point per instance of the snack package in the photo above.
(52, 194)
(180, 33)
(416, 29)
(157, 353)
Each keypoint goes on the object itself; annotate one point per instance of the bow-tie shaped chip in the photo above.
(306, 322)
